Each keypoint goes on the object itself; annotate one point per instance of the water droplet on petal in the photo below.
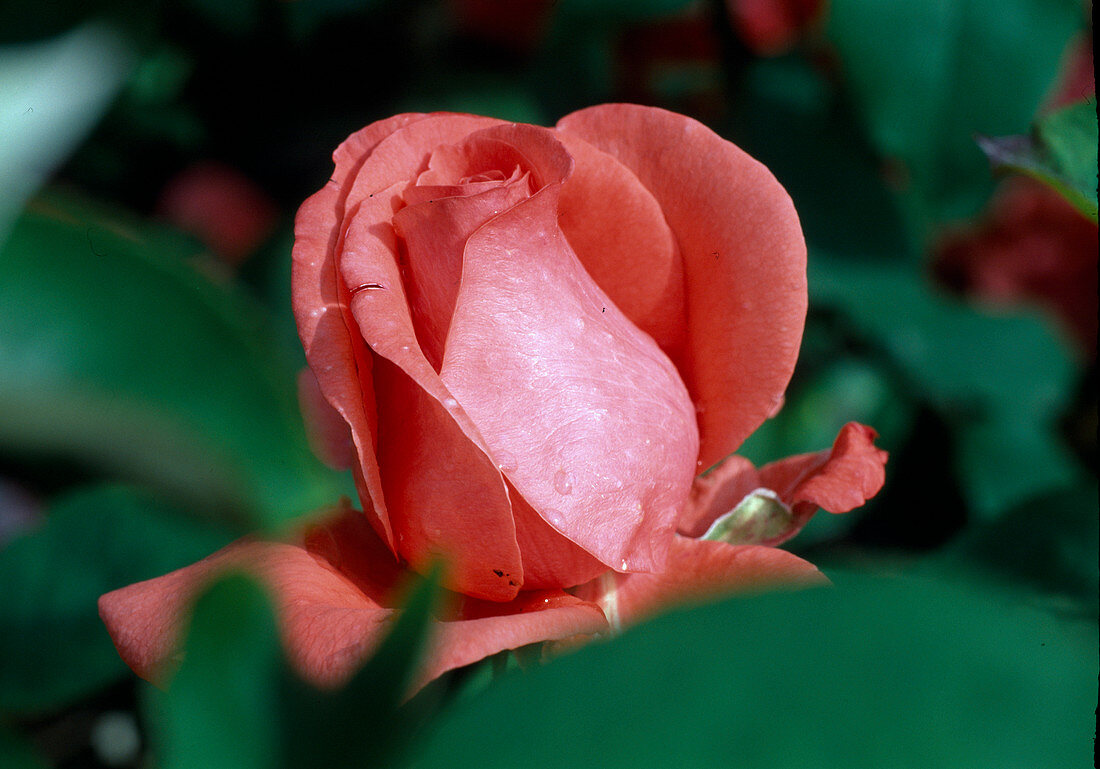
(450, 403)
(505, 461)
(623, 565)
(554, 518)
(563, 482)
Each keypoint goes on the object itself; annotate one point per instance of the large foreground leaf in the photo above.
(116, 351)
(235, 703)
(865, 674)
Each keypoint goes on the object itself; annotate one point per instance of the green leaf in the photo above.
(15, 753)
(117, 351)
(234, 701)
(1047, 544)
(221, 707)
(794, 119)
(53, 647)
(316, 731)
(1061, 152)
(927, 75)
(866, 674)
(619, 11)
(1001, 381)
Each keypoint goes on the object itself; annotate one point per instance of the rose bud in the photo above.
(535, 339)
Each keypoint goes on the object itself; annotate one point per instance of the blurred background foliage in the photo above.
(152, 156)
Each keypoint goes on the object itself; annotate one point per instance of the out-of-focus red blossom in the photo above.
(771, 27)
(684, 48)
(1031, 245)
(526, 342)
(1077, 81)
(222, 207)
(518, 25)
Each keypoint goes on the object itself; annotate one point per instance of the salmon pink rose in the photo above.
(537, 337)
(526, 342)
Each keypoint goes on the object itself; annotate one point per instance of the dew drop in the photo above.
(623, 565)
(505, 461)
(450, 403)
(563, 482)
(554, 518)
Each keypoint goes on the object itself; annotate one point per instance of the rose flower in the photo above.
(527, 342)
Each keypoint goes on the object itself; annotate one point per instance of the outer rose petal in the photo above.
(431, 513)
(744, 261)
(336, 356)
(334, 597)
(838, 480)
(619, 233)
(697, 570)
(329, 435)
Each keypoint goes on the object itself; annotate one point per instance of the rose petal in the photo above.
(368, 265)
(837, 480)
(716, 493)
(328, 432)
(559, 381)
(549, 559)
(620, 235)
(697, 570)
(545, 615)
(337, 357)
(744, 261)
(446, 498)
(434, 234)
(327, 622)
(334, 597)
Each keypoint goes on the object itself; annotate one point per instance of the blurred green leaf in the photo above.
(1048, 543)
(1061, 152)
(15, 753)
(1001, 381)
(117, 351)
(793, 118)
(234, 702)
(929, 74)
(53, 647)
(316, 723)
(866, 674)
(221, 708)
(491, 94)
(619, 11)
(51, 95)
